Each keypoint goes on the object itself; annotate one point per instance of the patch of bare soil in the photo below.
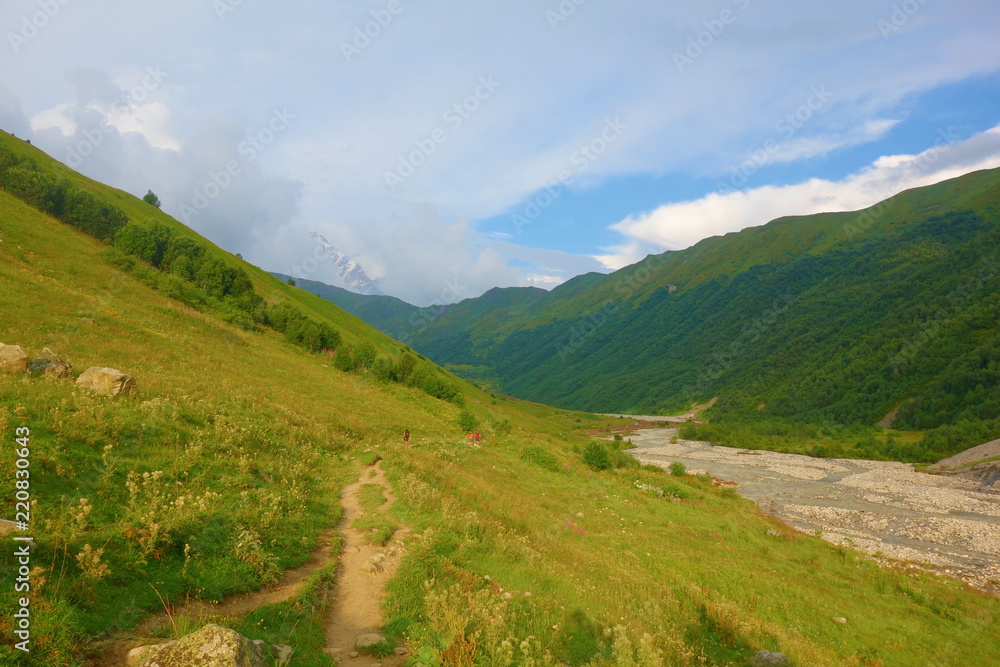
(364, 570)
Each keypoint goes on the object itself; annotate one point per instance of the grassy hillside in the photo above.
(829, 319)
(226, 467)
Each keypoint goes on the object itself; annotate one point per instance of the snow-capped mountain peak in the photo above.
(350, 273)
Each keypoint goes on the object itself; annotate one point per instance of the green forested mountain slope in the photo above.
(831, 317)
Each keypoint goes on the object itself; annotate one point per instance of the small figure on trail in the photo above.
(406, 437)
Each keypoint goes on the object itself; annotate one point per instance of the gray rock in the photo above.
(107, 381)
(211, 646)
(38, 366)
(140, 653)
(370, 639)
(839, 619)
(354, 654)
(57, 367)
(13, 359)
(769, 659)
(282, 655)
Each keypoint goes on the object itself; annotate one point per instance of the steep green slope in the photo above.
(226, 469)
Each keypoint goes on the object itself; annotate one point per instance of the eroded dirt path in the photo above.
(875, 506)
(362, 575)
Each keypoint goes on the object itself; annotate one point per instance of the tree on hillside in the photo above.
(150, 198)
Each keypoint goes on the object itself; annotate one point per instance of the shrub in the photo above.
(467, 421)
(677, 469)
(541, 458)
(151, 199)
(596, 455)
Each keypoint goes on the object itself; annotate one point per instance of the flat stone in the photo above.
(369, 639)
(769, 659)
(282, 655)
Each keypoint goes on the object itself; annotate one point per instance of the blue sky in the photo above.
(514, 143)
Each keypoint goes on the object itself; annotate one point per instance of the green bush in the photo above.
(677, 469)
(596, 455)
(541, 458)
(467, 421)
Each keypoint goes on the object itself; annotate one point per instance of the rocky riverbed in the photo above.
(883, 508)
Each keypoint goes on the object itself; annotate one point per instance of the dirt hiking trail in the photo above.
(364, 570)
(362, 574)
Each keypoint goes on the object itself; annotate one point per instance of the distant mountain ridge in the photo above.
(834, 316)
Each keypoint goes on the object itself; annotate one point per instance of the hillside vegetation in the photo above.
(813, 325)
(226, 467)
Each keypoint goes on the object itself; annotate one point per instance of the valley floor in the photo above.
(882, 508)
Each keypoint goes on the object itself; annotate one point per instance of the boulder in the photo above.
(13, 359)
(57, 367)
(212, 646)
(107, 381)
(769, 659)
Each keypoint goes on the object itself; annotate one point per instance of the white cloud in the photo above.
(683, 224)
(55, 118)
